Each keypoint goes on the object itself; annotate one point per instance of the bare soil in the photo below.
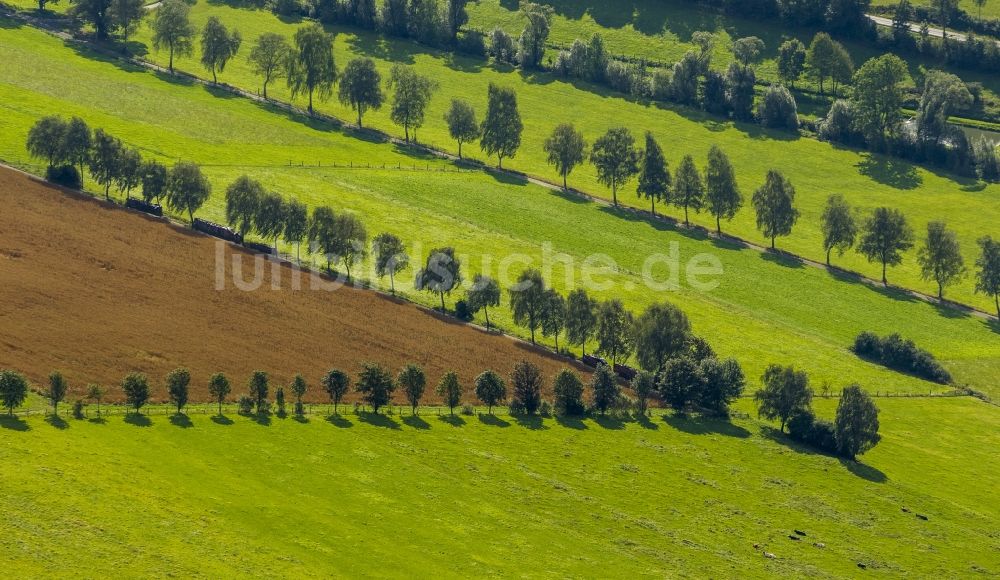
(97, 291)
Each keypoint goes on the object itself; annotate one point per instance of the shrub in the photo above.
(838, 125)
(660, 85)
(806, 428)
(468, 410)
(902, 355)
(471, 42)
(462, 310)
(246, 405)
(64, 175)
(545, 409)
(78, 409)
(778, 110)
(516, 407)
(502, 46)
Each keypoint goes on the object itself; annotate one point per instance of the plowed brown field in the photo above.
(97, 291)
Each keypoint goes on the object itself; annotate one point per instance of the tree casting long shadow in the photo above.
(138, 420)
(338, 420)
(57, 422)
(866, 472)
(416, 421)
(453, 420)
(222, 420)
(378, 420)
(13, 423)
(493, 420)
(181, 420)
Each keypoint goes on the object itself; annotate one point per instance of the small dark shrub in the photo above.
(471, 42)
(462, 311)
(806, 428)
(545, 409)
(64, 175)
(902, 355)
(78, 409)
(468, 410)
(246, 405)
(516, 407)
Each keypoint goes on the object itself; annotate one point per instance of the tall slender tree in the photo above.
(775, 205)
(502, 127)
(721, 190)
(527, 300)
(361, 87)
(310, 68)
(689, 192)
(654, 179)
(940, 258)
(172, 29)
(885, 236)
(390, 257)
(565, 149)
(616, 159)
(442, 273)
(839, 229)
(269, 57)
(988, 274)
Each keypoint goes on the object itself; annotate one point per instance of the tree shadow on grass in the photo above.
(533, 422)
(646, 423)
(492, 420)
(705, 426)
(993, 325)
(339, 420)
(97, 420)
(889, 171)
(416, 421)
(782, 259)
(57, 422)
(609, 422)
(222, 420)
(453, 420)
(300, 419)
(138, 420)
(865, 472)
(181, 420)
(378, 420)
(13, 423)
(263, 419)
(571, 422)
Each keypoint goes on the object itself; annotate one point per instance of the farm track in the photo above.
(45, 26)
(97, 291)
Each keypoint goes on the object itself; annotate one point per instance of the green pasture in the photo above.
(764, 310)
(475, 496)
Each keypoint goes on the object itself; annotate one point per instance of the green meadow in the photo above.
(764, 309)
(816, 169)
(476, 496)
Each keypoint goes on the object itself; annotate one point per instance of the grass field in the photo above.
(484, 496)
(764, 310)
(990, 8)
(866, 180)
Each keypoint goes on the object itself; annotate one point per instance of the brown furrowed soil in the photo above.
(96, 291)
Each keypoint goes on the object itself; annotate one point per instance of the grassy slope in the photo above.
(763, 311)
(868, 181)
(586, 499)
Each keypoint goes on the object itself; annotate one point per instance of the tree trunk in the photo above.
(718, 225)
(772, 243)
(614, 192)
(565, 187)
(265, 90)
(220, 407)
(532, 336)
(215, 79)
(459, 149)
(442, 301)
(171, 62)
(499, 161)
(557, 342)
(392, 283)
(884, 281)
(359, 118)
(828, 257)
(652, 206)
(686, 222)
(310, 102)
(486, 311)
(940, 291)
(996, 297)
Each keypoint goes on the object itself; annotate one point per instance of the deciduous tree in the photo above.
(375, 385)
(483, 295)
(774, 203)
(604, 388)
(526, 383)
(450, 391)
(243, 198)
(218, 46)
(105, 160)
(689, 192)
(413, 381)
(13, 389)
(568, 390)
(659, 334)
(172, 29)
(527, 300)
(614, 331)
(654, 178)
(136, 389)
(187, 188)
(258, 385)
(941, 257)
(502, 127)
(988, 275)
(310, 68)
(178, 381)
(269, 57)
(856, 425)
(581, 318)
(722, 193)
(296, 224)
(462, 124)
(565, 149)
(412, 93)
(57, 391)
(336, 383)
(361, 87)
(785, 392)
(390, 257)
(490, 389)
(442, 273)
(791, 61)
(839, 229)
(885, 236)
(219, 388)
(616, 159)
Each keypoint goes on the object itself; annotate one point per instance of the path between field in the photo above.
(45, 27)
(914, 27)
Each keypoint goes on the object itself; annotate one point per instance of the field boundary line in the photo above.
(344, 124)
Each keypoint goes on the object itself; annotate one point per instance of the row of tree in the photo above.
(69, 146)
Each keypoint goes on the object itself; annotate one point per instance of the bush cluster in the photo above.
(900, 354)
(819, 433)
